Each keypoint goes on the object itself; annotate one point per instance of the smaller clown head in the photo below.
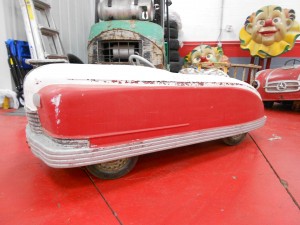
(269, 24)
(203, 53)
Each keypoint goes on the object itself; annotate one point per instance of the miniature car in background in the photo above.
(280, 84)
(105, 116)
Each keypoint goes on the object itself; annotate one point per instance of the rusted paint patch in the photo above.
(56, 102)
(167, 83)
(149, 49)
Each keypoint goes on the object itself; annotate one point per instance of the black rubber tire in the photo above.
(268, 105)
(172, 24)
(175, 67)
(108, 171)
(173, 33)
(234, 140)
(174, 44)
(174, 56)
(74, 59)
(296, 105)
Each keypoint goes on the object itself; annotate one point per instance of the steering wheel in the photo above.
(137, 60)
(292, 60)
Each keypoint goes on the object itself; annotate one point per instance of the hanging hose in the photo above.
(221, 24)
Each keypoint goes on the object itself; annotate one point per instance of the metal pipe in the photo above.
(221, 22)
(168, 3)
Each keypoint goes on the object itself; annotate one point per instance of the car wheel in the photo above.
(268, 105)
(296, 105)
(234, 140)
(113, 169)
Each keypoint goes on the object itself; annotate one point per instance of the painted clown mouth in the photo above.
(268, 31)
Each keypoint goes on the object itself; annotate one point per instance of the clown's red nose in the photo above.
(268, 23)
(203, 59)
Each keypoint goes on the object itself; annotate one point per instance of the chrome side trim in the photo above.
(60, 156)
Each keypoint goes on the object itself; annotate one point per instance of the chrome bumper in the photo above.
(62, 155)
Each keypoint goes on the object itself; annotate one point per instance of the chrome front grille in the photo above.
(36, 128)
(115, 51)
(283, 86)
(34, 121)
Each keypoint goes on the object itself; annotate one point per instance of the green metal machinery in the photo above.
(129, 27)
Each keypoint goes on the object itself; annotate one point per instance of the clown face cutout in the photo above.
(269, 25)
(269, 31)
(204, 54)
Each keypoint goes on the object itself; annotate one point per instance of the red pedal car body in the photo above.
(104, 116)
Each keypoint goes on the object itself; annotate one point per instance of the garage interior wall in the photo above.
(201, 21)
(73, 18)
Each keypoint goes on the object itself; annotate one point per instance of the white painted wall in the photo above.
(9, 20)
(73, 18)
(201, 21)
(5, 81)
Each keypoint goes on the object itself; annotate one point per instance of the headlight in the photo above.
(36, 100)
(255, 84)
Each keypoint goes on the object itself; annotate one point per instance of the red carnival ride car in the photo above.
(104, 116)
(280, 84)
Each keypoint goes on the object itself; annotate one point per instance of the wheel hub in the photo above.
(112, 165)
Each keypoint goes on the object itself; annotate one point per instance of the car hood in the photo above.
(283, 73)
